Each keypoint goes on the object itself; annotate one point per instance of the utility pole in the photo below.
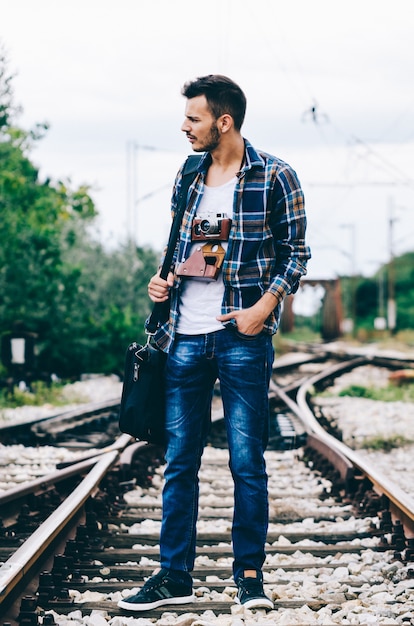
(350, 323)
(132, 200)
(130, 190)
(391, 303)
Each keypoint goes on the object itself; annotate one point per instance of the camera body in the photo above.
(213, 226)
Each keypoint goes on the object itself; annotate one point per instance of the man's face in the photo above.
(200, 126)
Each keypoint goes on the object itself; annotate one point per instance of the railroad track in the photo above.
(340, 540)
(91, 425)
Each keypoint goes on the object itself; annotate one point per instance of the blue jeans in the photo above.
(243, 365)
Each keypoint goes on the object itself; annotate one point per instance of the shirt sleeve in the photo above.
(288, 225)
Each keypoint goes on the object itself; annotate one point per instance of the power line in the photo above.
(388, 164)
(317, 117)
(363, 183)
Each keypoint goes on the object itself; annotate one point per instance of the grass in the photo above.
(390, 393)
(39, 395)
(385, 444)
(402, 341)
(283, 341)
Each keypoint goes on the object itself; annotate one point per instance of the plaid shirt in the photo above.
(266, 249)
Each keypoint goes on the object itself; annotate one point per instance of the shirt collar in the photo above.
(252, 159)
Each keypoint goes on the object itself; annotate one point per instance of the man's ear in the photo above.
(225, 123)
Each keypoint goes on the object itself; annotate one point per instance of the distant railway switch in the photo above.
(18, 354)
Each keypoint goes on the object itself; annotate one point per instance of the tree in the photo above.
(368, 294)
(102, 308)
(7, 108)
(85, 304)
(35, 217)
(404, 290)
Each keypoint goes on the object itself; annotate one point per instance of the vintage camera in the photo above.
(213, 226)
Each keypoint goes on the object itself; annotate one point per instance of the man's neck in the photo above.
(227, 160)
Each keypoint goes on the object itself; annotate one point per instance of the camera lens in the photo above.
(205, 226)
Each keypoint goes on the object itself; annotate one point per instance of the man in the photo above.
(241, 251)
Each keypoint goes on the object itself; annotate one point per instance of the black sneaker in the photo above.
(250, 594)
(160, 589)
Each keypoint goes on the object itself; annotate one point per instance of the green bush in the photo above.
(390, 393)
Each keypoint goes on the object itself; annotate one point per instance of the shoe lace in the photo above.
(251, 586)
(155, 581)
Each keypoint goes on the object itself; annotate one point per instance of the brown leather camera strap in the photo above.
(204, 263)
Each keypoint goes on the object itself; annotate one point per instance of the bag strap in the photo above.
(161, 309)
(188, 175)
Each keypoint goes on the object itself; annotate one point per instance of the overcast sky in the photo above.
(329, 87)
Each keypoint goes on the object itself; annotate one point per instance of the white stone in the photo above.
(97, 618)
(340, 572)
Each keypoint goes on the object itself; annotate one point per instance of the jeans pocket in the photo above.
(246, 337)
(232, 327)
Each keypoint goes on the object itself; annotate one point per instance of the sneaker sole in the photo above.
(141, 606)
(257, 603)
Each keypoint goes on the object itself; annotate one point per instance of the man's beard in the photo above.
(211, 141)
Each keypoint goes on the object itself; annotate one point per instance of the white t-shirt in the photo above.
(200, 302)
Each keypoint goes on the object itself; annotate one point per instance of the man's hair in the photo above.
(222, 95)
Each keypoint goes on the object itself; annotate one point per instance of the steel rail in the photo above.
(65, 470)
(120, 444)
(339, 460)
(401, 504)
(18, 565)
(67, 416)
(61, 421)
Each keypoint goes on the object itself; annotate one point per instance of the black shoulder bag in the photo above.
(142, 410)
